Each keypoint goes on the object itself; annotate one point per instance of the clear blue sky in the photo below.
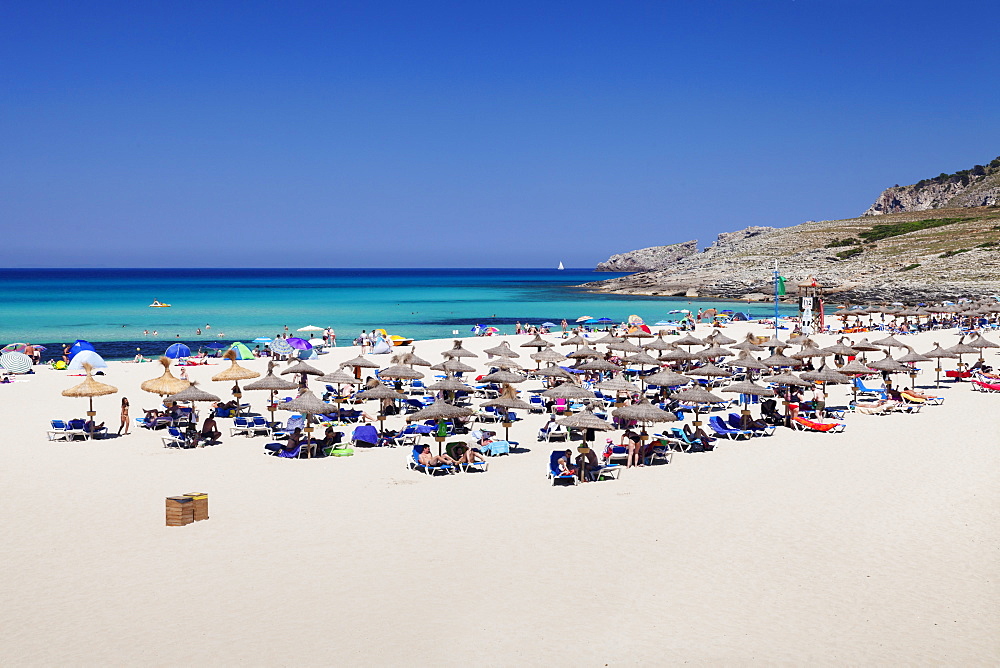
(437, 133)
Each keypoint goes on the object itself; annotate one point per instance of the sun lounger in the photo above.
(554, 474)
(63, 432)
(981, 386)
(735, 421)
(241, 426)
(803, 424)
(722, 429)
(413, 464)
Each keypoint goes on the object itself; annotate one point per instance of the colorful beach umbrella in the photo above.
(585, 318)
(177, 351)
(298, 344)
(14, 348)
(280, 347)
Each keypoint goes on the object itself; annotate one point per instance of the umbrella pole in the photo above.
(238, 394)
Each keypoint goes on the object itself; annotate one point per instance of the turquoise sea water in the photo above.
(112, 305)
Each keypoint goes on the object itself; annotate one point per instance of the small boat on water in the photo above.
(561, 267)
(157, 304)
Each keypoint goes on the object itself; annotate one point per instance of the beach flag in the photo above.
(781, 285)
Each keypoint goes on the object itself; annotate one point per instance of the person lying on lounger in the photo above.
(920, 395)
(427, 459)
(698, 435)
(467, 455)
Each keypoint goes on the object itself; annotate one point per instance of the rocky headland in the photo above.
(934, 240)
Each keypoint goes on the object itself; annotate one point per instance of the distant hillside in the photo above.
(979, 186)
(907, 256)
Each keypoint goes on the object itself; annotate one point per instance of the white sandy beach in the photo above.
(877, 546)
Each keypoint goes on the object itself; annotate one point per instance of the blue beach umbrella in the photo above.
(605, 320)
(177, 351)
(215, 345)
(263, 339)
(79, 345)
(549, 324)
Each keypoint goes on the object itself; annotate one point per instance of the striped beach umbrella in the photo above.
(280, 347)
(15, 362)
(14, 348)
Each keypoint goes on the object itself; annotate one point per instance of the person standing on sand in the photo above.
(333, 337)
(125, 421)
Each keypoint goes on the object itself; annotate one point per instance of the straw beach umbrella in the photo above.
(961, 348)
(271, 383)
(503, 376)
(503, 350)
(747, 345)
(887, 365)
(748, 388)
(537, 342)
(191, 394)
(574, 341)
(167, 383)
(90, 388)
(644, 413)
(453, 366)
(504, 363)
(508, 401)
(668, 378)
(598, 364)
(980, 343)
(585, 352)
(457, 350)
(553, 371)
(380, 392)
(910, 359)
(400, 372)
(302, 370)
(697, 396)
(235, 373)
(441, 411)
(358, 363)
(547, 355)
(939, 353)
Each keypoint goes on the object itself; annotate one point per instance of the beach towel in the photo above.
(495, 448)
(816, 426)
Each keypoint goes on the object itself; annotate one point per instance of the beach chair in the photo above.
(803, 424)
(864, 389)
(537, 405)
(294, 422)
(365, 435)
(557, 476)
(417, 387)
(289, 454)
(661, 450)
(413, 464)
(452, 450)
(928, 401)
(258, 426)
(241, 426)
(497, 448)
(721, 429)
(175, 439)
(735, 422)
(63, 432)
(982, 386)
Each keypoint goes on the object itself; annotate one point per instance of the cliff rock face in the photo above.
(649, 259)
(946, 254)
(979, 186)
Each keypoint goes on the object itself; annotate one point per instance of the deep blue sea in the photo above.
(111, 306)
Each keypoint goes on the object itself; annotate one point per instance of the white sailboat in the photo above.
(561, 267)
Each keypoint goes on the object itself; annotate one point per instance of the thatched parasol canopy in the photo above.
(302, 367)
(863, 346)
(889, 342)
(667, 378)
(440, 410)
(508, 399)
(450, 384)
(746, 361)
(840, 349)
(271, 382)
(458, 351)
(697, 395)
(747, 345)
(453, 366)
(777, 359)
(657, 344)
(678, 355)
(504, 363)
(749, 387)
(713, 351)
(379, 391)
(411, 359)
(568, 391)
(503, 376)
(855, 368)
(400, 372)
(889, 365)
(192, 393)
(641, 358)
(719, 338)
(617, 384)
(537, 342)
(585, 351)
(360, 361)
(809, 351)
(338, 377)
(979, 343)
(688, 340)
(775, 342)
(166, 384)
(547, 355)
(825, 375)
(503, 350)
(308, 403)
(787, 378)
(912, 357)
(235, 371)
(961, 348)
(644, 412)
(625, 347)
(574, 341)
(585, 419)
(553, 371)
(938, 352)
(598, 364)
(89, 387)
(710, 370)
(607, 339)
